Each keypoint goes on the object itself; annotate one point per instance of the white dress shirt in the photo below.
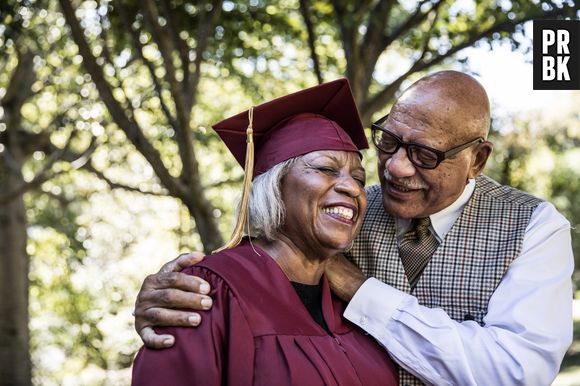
(528, 326)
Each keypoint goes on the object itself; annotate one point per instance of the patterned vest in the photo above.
(468, 264)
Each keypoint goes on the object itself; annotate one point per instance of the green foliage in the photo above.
(88, 258)
(539, 153)
(565, 194)
(91, 242)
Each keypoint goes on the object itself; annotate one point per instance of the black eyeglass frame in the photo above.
(441, 155)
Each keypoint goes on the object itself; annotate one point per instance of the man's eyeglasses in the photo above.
(420, 155)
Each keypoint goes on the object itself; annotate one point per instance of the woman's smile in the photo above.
(341, 212)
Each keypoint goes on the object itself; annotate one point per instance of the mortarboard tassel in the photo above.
(248, 172)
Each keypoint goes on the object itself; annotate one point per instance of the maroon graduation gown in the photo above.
(258, 332)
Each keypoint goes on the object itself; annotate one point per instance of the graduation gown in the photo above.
(259, 332)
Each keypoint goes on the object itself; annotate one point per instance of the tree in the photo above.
(13, 282)
(174, 78)
(18, 142)
(186, 35)
(147, 61)
(546, 145)
(423, 34)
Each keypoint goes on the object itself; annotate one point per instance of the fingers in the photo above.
(176, 280)
(182, 261)
(171, 298)
(162, 317)
(163, 293)
(156, 303)
(187, 259)
(152, 340)
(165, 317)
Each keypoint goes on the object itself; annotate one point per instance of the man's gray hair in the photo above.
(266, 210)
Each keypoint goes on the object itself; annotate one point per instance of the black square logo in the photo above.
(556, 54)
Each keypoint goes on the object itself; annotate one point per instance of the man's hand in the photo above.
(165, 291)
(344, 277)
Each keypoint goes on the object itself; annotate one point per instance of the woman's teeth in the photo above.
(343, 212)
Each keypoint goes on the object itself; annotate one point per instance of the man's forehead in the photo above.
(447, 103)
(432, 128)
(448, 91)
(430, 93)
(419, 115)
(409, 94)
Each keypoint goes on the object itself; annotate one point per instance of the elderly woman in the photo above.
(274, 320)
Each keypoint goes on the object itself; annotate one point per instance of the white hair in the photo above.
(266, 210)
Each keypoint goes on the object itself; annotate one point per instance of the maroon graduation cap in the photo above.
(323, 117)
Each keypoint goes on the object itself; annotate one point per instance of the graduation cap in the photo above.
(323, 117)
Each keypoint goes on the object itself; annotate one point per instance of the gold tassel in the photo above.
(248, 172)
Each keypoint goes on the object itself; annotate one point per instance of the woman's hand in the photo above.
(163, 293)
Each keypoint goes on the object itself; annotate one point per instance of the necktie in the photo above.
(416, 248)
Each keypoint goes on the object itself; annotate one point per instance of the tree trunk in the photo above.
(15, 365)
(14, 346)
(14, 262)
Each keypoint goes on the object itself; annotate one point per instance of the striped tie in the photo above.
(416, 248)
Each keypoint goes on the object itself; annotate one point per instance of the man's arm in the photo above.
(163, 293)
(527, 329)
(344, 277)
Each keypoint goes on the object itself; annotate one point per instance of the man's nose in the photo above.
(399, 164)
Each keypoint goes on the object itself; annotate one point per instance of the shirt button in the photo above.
(363, 320)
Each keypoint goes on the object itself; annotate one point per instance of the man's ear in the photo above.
(479, 159)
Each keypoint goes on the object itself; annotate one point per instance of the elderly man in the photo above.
(462, 280)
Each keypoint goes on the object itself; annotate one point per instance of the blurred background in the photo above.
(109, 166)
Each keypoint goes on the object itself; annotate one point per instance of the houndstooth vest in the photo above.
(469, 263)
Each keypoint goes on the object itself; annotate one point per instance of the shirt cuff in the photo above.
(373, 306)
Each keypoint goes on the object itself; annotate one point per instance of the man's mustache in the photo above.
(406, 182)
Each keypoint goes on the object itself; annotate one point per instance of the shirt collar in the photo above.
(442, 221)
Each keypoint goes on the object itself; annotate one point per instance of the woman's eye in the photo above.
(360, 180)
(326, 169)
